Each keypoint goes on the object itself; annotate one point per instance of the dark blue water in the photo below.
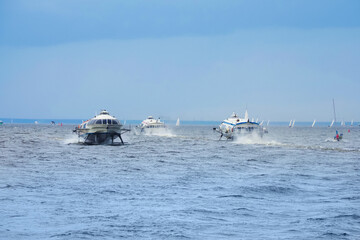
(181, 184)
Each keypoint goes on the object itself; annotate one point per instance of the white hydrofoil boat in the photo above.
(151, 124)
(235, 125)
(102, 129)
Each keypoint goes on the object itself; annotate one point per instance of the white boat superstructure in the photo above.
(101, 129)
(234, 125)
(151, 123)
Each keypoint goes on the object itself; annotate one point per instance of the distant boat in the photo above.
(268, 123)
(313, 123)
(178, 122)
(36, 122)
(290, 123)
(293, 123)
(1, 122)
(352, 122)
(342, 123)
(334, 119)
(151, 124)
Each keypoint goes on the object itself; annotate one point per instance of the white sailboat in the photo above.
(293, 123)
(178, 122)
(352, 122)
(290, 124)
(334, 120)
(342, 123)
(268, 123)
(313, 123)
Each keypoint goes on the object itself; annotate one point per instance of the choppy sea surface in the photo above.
(294, 183)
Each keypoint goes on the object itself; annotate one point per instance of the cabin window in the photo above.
(85, 125)
(109, 121)
(98, 121)
(104, 121)
(115, 122)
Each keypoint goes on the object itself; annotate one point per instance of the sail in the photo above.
(332, 123)
(352, 122)
(313, 123)
(293, 123)
(290, 123)
(178, 122)
(246, 115)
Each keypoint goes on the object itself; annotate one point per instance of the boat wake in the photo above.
(160, 132)
(328, 145)
(72, 139)
(254, 138)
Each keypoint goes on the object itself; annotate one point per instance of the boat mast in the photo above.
(334, 110)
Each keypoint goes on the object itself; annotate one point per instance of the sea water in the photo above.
(294, 183)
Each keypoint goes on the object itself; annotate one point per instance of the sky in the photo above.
(192, 59)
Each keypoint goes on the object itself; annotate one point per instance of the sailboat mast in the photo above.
(334, 110)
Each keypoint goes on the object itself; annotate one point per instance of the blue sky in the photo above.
(197, 60)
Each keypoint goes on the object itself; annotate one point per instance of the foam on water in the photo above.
(255, 138)
(71, 139)
(160, 132)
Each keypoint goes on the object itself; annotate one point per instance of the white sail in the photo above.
(293, 123)
(290, 123)
(352, 122)
(313, 123)
(246, 115)
(332, 123)
(178, 122)
(268, 122)
(342, 123)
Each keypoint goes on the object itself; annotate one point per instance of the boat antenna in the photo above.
(334, 110)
